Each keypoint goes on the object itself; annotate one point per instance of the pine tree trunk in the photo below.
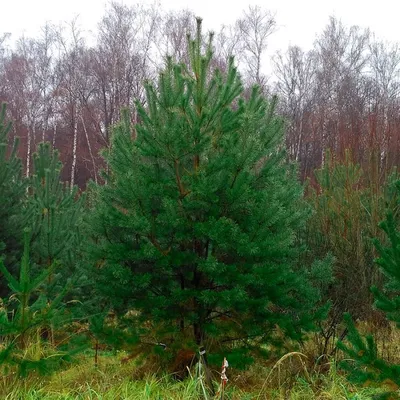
(198, 334)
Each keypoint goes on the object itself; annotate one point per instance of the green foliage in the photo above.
(194, 232)
(368, 366)
(34, 312)
(347, 212)
(25, 314)
(365, 367)
(116, 335)
(12, 193)
(389, 262)
(348, 204)
(54, 211)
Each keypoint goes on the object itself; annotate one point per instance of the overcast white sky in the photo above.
(298, 20)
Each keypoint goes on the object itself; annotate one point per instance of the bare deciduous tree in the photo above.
(123, 58)
(174, 30)
(254, 29)
(343, 57)
(69, 68)
(295, 72)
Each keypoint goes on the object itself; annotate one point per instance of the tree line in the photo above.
(341, 94)
(60, 89)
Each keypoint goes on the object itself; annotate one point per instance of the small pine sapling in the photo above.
(12, 196)
(23, 316)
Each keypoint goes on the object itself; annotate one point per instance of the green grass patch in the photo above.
(112, 380)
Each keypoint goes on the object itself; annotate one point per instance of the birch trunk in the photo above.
(31, 132)
(90, 149)
(74, 146)
(54, 136)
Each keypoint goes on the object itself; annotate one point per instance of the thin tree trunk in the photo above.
(96, 354)
(90, 149)
(31, 132)
(297, 156)
(44, 130)
(74, 146)
(203, 360)
(54, 136)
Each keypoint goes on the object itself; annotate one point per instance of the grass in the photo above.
(288, 379)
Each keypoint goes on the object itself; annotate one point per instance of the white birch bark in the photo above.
(74, 147)
(90, 148)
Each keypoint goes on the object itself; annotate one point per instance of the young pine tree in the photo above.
(195, 226)
(24, 314)
(54, 214)
(12, 194)
(366, 365)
